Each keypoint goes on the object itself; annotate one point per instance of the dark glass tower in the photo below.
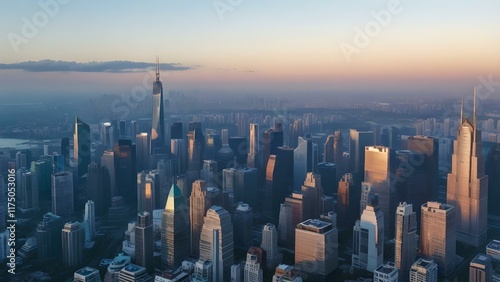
(81, 146)
(158, 126)
(125, 171)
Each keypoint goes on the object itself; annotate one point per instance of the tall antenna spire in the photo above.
(462, 111)
(157, 68)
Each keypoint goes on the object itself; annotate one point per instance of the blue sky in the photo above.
(260, 44)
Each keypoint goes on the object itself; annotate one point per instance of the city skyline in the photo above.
(252, 47)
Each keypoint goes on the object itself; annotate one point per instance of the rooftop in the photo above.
(86, 271)
(387, 268)
(495, 245)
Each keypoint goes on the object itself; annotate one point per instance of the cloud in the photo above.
(111, 66)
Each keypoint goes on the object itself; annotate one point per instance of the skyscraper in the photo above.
(272, 139)
(329, 180)
(493, 171)
(98, 187)
(291, 214)
(199, 202)
(253, 151)
(480, 269)
(427, 147)
(89, 220)
(81, 146)
(126, 171)
(348, 199)
(108, 161)
(245, 186)
(312, 192)
(146, 192)
(243, 222)
(302, 161)
(424, 270)
(380, 168)
(179, 150)
(357, 143)
(142, 151)
(218, 220)
(157, 136)
(195, 148)
(316, 248)
(48, 236)
(438, 235)
(29, 191)
(144, 241)
(467, 188)
(406, 239)
(72, 244)
(368, 238)
(62, 193)
(253, 271)
(328, 153)
(175, 230)
(270, 245)
(239, 145)
(279, 182)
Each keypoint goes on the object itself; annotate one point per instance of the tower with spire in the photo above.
(467, 187)
(158, 119)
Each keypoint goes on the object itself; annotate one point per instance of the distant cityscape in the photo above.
(265, 192)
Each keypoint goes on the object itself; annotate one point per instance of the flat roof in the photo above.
(495, 245)
(387, 268)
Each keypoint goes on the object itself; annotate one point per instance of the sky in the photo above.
(242, 47)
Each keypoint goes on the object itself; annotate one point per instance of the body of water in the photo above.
(16, 143)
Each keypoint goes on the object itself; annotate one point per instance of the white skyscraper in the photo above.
(270, 245)
(253, 271)
(222, 256)
(89, 220)
(368, 238)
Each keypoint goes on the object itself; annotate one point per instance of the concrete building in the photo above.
(424, 270)
(406, 239)
(480, 269)
(316, 248)
(387, 273)
(438, 235)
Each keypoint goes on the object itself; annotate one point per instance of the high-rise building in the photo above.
(87, 274)
(99, 187)
(29, 191)
(65, 152)
(387, 273)
(144, 241)
(199, 203)
(107, 135)
(348, 198)
(202, 271)
(134, 273)
(72, 236)
(493, 250)
(142, 151)
(48, 236)
(272, 139)
(424, 270)
(406, 239)
(224, 133)
(329, 180)
(125, 170)
(175, 230)
(328, 155)
(209, 173)
(438, 235)
(157, 136)
(218, 223)
(81, 146)
(237, 272)
(196, 142)
(303, 161)
(427, 147)
(480, 269)
(62, 193)
(89, 220)
(493, 172)
(176, 131)
(357, 143)
(291, 214)
(312, 192)
(213, 144)
(118, 263)
(368, 238)
(245, 185)
(316, 248)
(467, 188)
(179, 150)
(239, 146)
(146, 191)
(380, 168)
(108, 161)
(279, 183)
(270, 245)
(286, 273)
(253, 271)
(44, 169)
(243, 222)
(253, 159)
